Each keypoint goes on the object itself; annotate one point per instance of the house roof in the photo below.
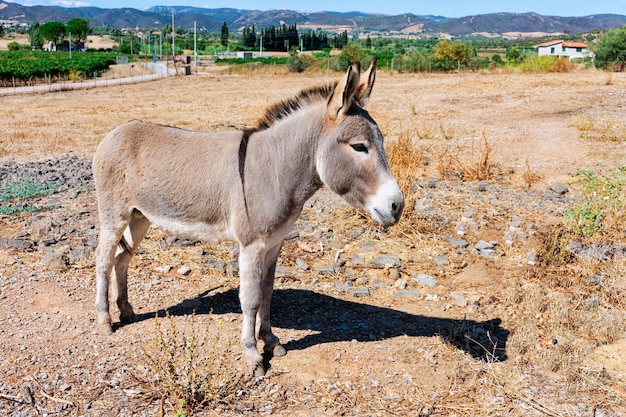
(565, 44)
(550, 43)
(574, 45)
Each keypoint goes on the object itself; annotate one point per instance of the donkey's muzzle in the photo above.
(387, 204)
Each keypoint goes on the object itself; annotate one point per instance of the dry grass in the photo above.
(478, 165)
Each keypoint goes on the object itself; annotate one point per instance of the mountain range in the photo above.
(493, 24)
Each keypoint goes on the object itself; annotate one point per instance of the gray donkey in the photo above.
(247, 186)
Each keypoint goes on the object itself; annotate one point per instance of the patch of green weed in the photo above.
(18, 192)
(600, 208)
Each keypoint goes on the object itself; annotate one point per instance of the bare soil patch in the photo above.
(497, 335)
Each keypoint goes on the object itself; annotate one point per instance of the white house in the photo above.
(569, 50)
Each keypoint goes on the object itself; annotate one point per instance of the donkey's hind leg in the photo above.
(111, 230)
(132, 237)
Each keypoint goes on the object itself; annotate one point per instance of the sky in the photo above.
(448, 8)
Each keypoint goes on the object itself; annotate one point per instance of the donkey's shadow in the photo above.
(337, 320)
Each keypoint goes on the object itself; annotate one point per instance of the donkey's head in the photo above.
(351, 159)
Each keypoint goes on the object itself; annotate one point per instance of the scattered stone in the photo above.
(359, 291)
(183, 270)
(55, 260)
(358, 260)
(482, 245)
(232, 268)
(392, 261)
(457, 243)
(163, 269)
(459, 298)
(401, 284)
(559, 188)
(407, 294)
(302, 265)
(394, 274)
(425, 280)
(379, 283)
(367, 246)
(441, 261)
(487, 253)
(531, 257)
(326, 270)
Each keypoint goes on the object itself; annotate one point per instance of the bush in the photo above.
(299, 62)
(546, 64)
(611, 47)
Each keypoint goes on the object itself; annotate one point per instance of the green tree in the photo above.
(610, 48)
(79, 28)
(458, 51)
(52, 31)
(350, 53)
(34, 35)
(224, 36)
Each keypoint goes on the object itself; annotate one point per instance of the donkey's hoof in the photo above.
(105, 329)
(257, 370)
(279, 350)
(128, 318)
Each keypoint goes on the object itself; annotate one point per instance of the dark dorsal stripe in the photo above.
(286, 107)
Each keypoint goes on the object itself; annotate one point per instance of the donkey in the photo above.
(247, 186)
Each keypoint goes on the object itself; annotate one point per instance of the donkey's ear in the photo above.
(345, 92)
(367, 83)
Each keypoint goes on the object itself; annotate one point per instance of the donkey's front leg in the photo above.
(264, 328)
(251, 267)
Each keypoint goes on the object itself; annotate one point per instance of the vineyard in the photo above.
(28, 65)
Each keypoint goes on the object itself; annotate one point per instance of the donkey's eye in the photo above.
(359, 147)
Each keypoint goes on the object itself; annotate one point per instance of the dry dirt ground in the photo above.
(495, 336)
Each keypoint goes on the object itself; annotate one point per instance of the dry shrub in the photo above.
(187, 370)
(562, 65)
(478, 167)
(404, 160)
(529, 176)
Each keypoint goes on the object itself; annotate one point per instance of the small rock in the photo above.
(326, 270)
(425, 280)
(487, 253)
(56, 260)
(392, 261)
(441, 261)
(163, 269)
(459, 298)
(183, 270)
(394, 274)
(358, 260)
(482, 245)
(401, 284)
(457, 243)
(407, 294)
(559, 188)
(302, 265)
(359, 291)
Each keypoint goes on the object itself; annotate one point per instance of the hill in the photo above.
(493, 24)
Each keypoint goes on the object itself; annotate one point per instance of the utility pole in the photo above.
(195, 53)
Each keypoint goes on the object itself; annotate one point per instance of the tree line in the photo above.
(285, 37)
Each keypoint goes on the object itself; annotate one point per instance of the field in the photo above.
(490, 302)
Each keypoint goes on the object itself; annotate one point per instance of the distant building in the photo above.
(569, 50)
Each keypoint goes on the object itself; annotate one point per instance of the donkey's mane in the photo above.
(286, 107)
